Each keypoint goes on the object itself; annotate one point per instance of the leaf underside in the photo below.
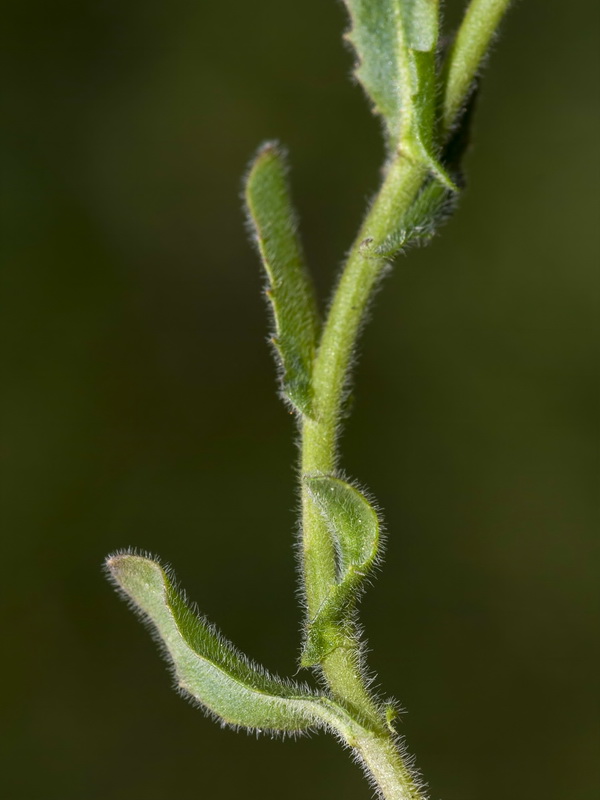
(290, 290)
(396, 46)
(354, 527)
(207, 667)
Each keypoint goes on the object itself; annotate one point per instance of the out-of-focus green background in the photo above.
(138, 402)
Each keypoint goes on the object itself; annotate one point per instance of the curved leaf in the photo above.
(206, 666)
(354, 527)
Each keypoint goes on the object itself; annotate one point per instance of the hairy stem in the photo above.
(405, 177)
(383, 760)
(319, 433)
(341, 668)
(378, 753)
(472, 41)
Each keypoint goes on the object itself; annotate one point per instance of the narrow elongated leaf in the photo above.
(354, 527)
(290, 290)
(206, 666)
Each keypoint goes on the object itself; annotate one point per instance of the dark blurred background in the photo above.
(139, 408)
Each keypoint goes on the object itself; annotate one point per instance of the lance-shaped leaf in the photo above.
(206, 666)
(290, 289)
(396, 43)
(354, 526)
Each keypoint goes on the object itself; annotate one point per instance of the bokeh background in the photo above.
(138, 402)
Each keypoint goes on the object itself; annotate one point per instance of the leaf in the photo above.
(352, 521)
(206, 666)
(435, 202)
(373, 34)
(396, 43)
(354, 527)
(432, 205)
(290, 291)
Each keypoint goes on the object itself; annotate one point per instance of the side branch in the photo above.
(478, 28)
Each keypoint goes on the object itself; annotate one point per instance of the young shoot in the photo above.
(423, 97)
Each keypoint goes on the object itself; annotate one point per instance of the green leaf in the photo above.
(206, 666)
(421, 22)
(290, 290)
(354, 526)
(432, 205)
(396, 44)
(374, 36)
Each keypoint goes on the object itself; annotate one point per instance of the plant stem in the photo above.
(319, 432)
(383, 760)
(341, 669)
(378, 752)
(472, 42)
(403, 180)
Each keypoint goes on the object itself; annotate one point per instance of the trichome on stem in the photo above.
(423, 102)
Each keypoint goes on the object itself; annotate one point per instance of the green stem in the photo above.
(375, 745)
(319, 433)
(378, 753)
(472, 42)
(341, 668)
(383, 760)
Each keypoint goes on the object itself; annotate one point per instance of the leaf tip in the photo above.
(270, 150)
(138, 577)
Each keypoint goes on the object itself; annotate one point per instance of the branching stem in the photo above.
(404, 179)
(376, 748)
(396, 46)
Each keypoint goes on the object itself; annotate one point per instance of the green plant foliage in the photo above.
(290, 290)
(396, 42)
(354, 527)
(206, 666)
(396, 45)
(374, 39)
(421, 221)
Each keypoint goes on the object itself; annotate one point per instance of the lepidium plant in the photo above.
(424, 100)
